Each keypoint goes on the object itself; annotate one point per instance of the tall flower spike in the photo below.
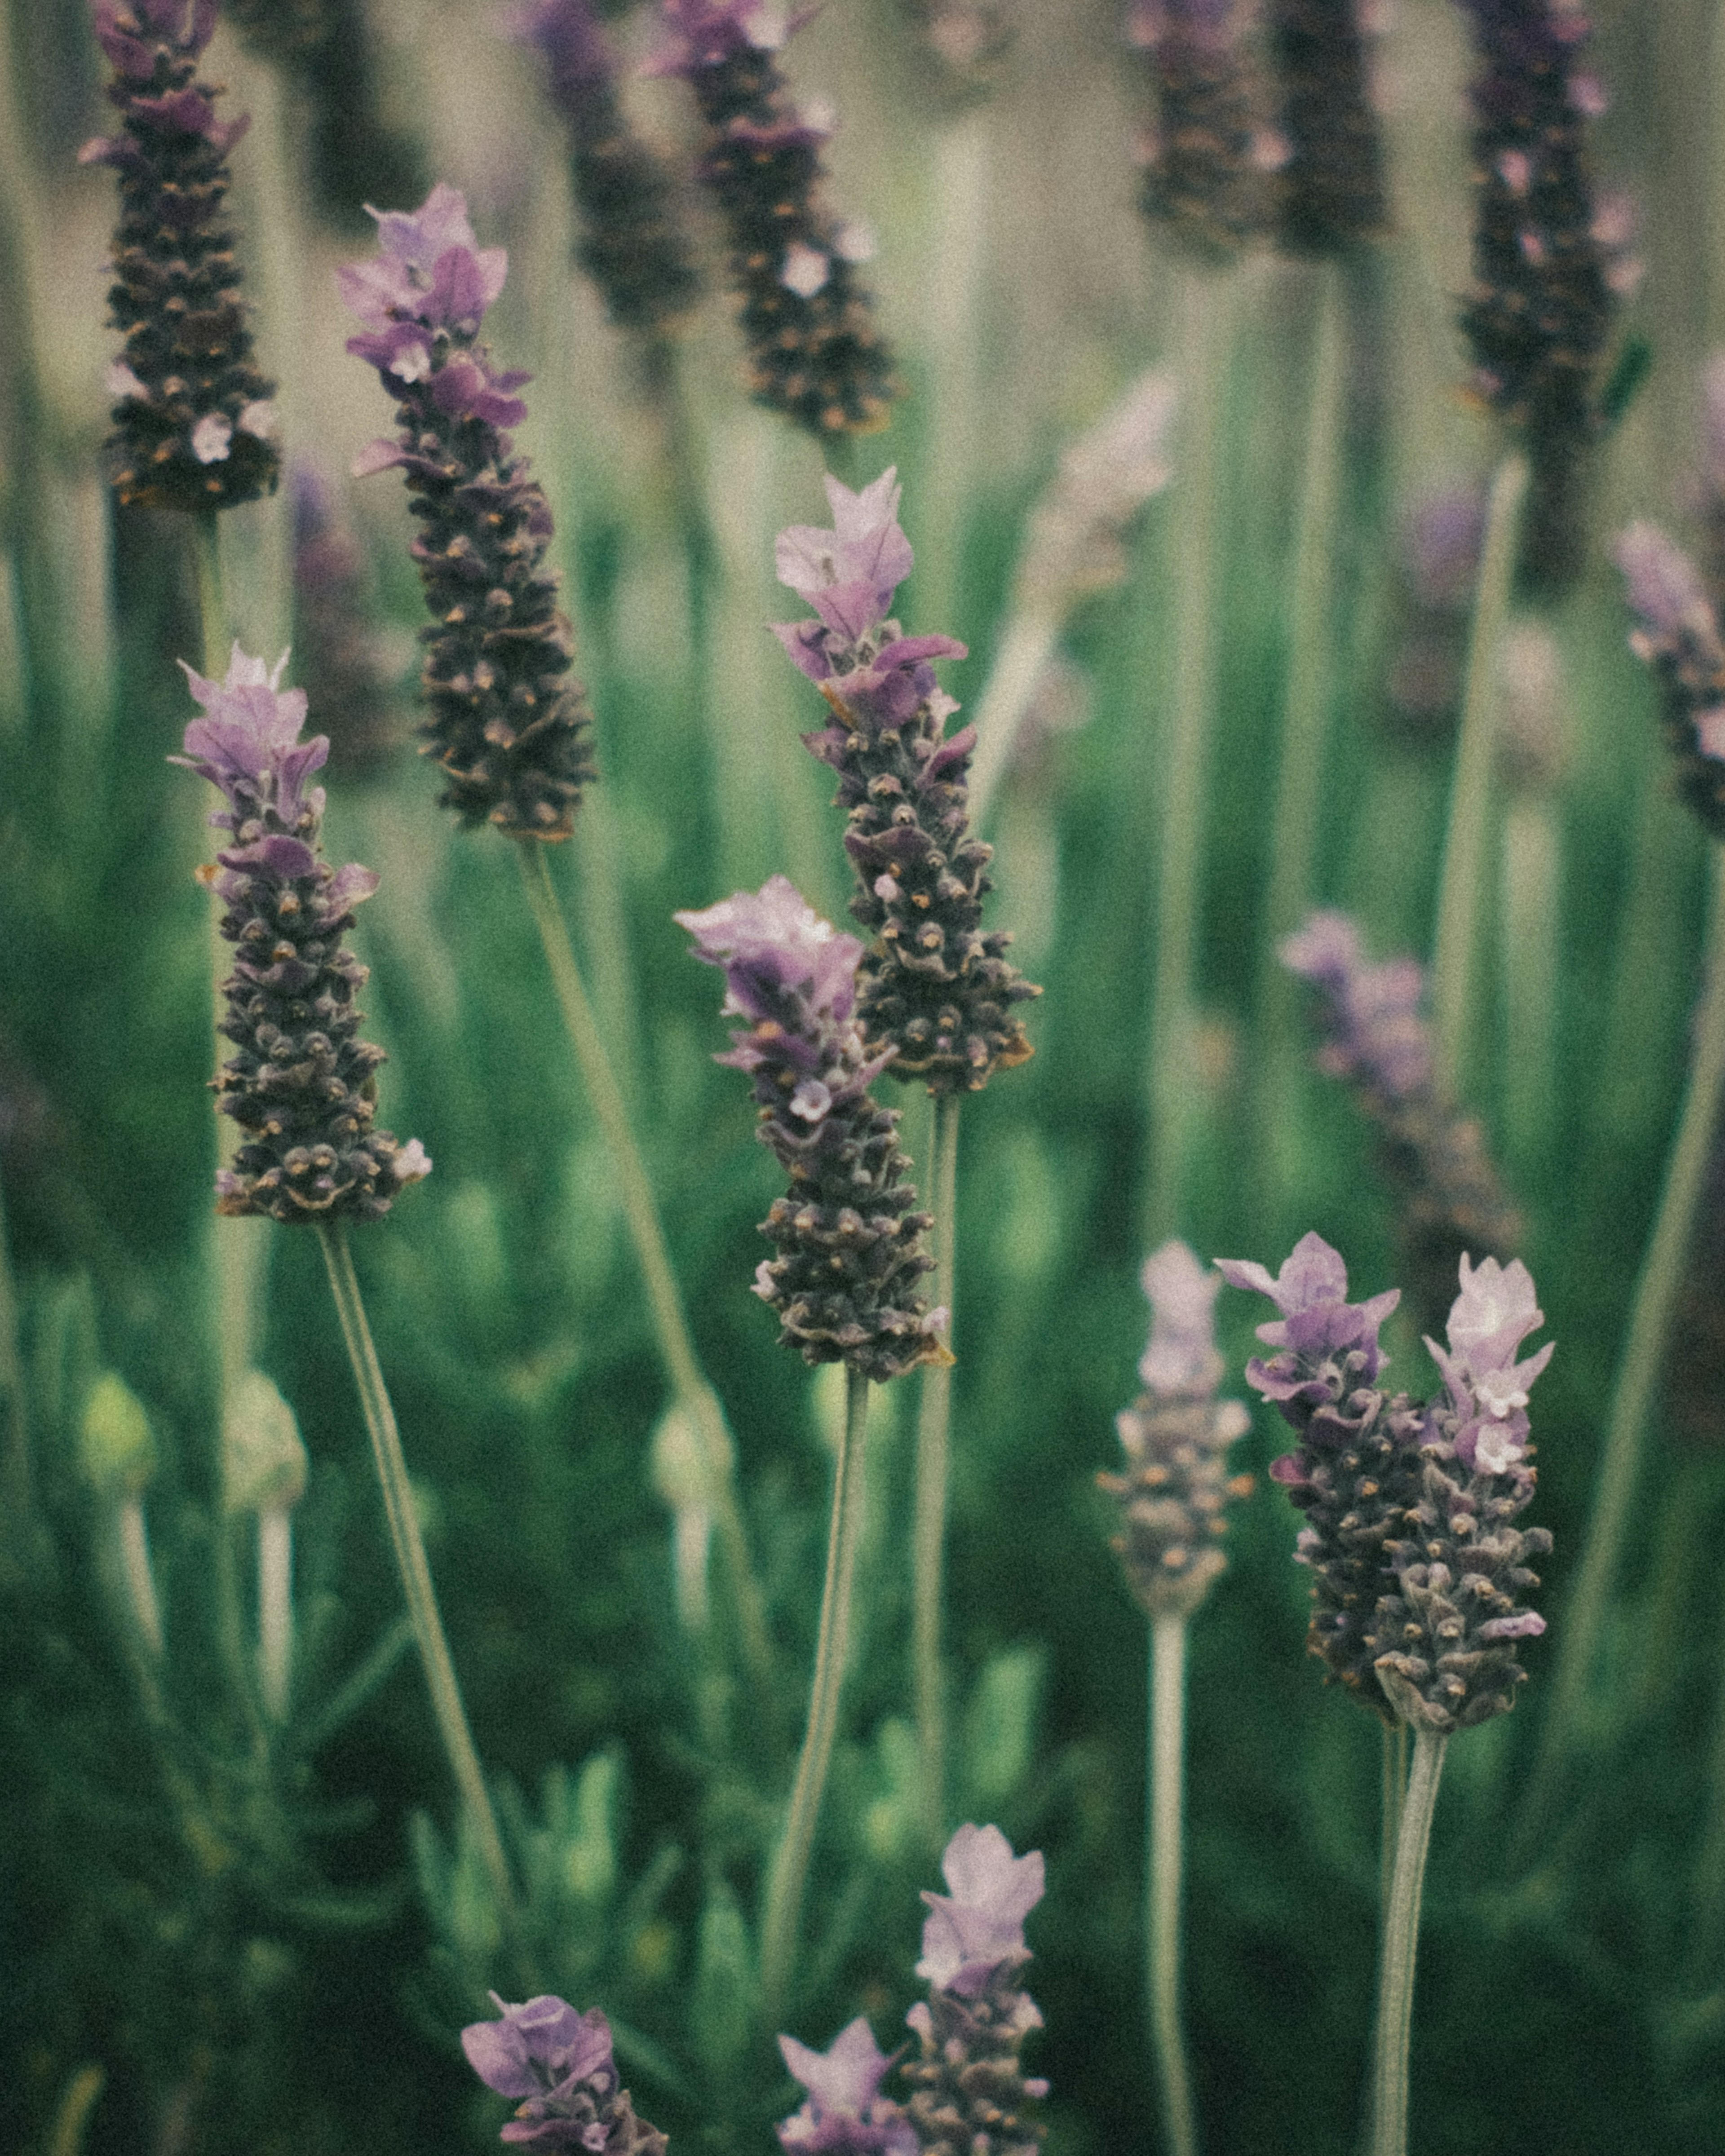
(559, 2064)
(845, 2113)
(934, 988)
(1550, 264)
(507, 723)
(1176, 1437)
(1451, 1197)
(1417, 1565)
(302, 1086)
(1206, 161)
(848, 1238)
(968, 2089)
(630, 243)
(193, 419)
(1331, 189)
(1678, 635)
(815, 352)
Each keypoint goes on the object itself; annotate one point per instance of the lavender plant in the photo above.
(1205, 158)
(560, 2063)
(1330, 183)
(844, 2109)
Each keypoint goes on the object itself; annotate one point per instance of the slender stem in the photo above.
(1463, 883)
(1024, 652)
(71, 2117)
(1530, 950)
(790, 1860)
(416, 1575)
(1162, 1885)
(1650, 1322)
(1395, 1778)
(140, 1579)
(1208, 312)
(689, 1382)
(929, 1535)
(1401, 1943)
(275, 1609)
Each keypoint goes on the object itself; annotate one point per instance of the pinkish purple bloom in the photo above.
(849, 573)
(247, 744)
(979, 1925)
(1318, 1325)
(1666, 590)
(845, 2114)
(429, 274)
(771, 942)
(129, 34)
(1182, 1355)
(1377, 1033)
(1493, 1314)
(560, 2063)
(705, 33)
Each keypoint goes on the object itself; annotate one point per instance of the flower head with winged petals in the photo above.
(971, 1931)
(845, 2114)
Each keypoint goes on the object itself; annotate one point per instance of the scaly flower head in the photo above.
(979, 1925)
(560, 2063)
(845, 2114)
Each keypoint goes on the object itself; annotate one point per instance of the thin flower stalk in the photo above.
(1401, 1943)
(559, 2064)
(1162, 1871)
(934, 1410)
(1531, 884)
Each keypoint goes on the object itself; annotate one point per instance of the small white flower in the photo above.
(854, 241)
(211, 437)
(811, 1100)
(258, 418)
(886, 888)
(805, 270)
(121, 382)
(412, 1162)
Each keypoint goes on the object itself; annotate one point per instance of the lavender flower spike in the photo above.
(846, 2113)
(1176, 1437)
(1493, 1314)
(192, 419)
(847, 1237)
(505, 722)
(969, 2087)
(560, 2063)
(1319, 1333)
(934, 986)
(302, 1085)
(1678, 635)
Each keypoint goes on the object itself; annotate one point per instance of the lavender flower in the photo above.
(1679, 636)
(1332, 187)
(848, 1241)
(630, 244)
(968, 2088)
(1176, 1436)
(1449, 1195)
(815, 352)
(934, 986)
(1205, 163)
(846, 2113)
(507, 724)
(302, 1086)
(1549, 267)
(1409, 1510)
(193, 416)
(560, 2062)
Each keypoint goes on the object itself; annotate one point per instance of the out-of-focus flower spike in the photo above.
(1208, 159)
(1678, 635)
(845, 2113)
(848, 1237)
(1330, 190)
(631, 244)
(814, 351)
(193, 419)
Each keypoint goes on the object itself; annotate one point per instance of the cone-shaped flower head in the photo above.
(505, 722)
(934, 986)
(302, 1084)
(846, 2113)
(193, 416)
(1678, 635)
(815, 352)
(1409, 1510)
(1176, 1437)
(559, 2062)
(848, 1237)
(968, 2088)
(1451, 1197)
(630, 244)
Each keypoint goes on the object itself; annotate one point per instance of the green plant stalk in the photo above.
(782, 1916)
(1401, 1942)
(1394, 1779)
(689, 1383)
(132, 1543)
(20, 1534)
(275, 1609)
(1530, 954)
(1638, 1374)
(1162, 1883)
(446, 1702)
(72, 2115)
(1463, 883)
(934, 1416)
(1207, 309)
(1311, 674)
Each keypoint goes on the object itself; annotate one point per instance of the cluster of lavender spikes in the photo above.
(848, 1237)
(559, 2063)
(1679, 636)
(302, 1085)
(935, 989)
(1417, 1566)
(193, 417)
(1377, 1038)
(815, 352)
(506, 722)
(1176, 1437)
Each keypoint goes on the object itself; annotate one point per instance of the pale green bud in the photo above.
(263, 1457)
(117, 1446)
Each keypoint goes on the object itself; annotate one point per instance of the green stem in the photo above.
(1394, 1780)
(1401, 1943)
(1463, 883)
(1650, 1322)
(694, 1393)
(416, 1576)
(933, 1444)
(1206, 307)
(65, 2137)
(1531, 951)
(1162, 1911)
(790, 1861)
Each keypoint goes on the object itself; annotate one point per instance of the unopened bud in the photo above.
(263, 1454)
(116, 1444)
